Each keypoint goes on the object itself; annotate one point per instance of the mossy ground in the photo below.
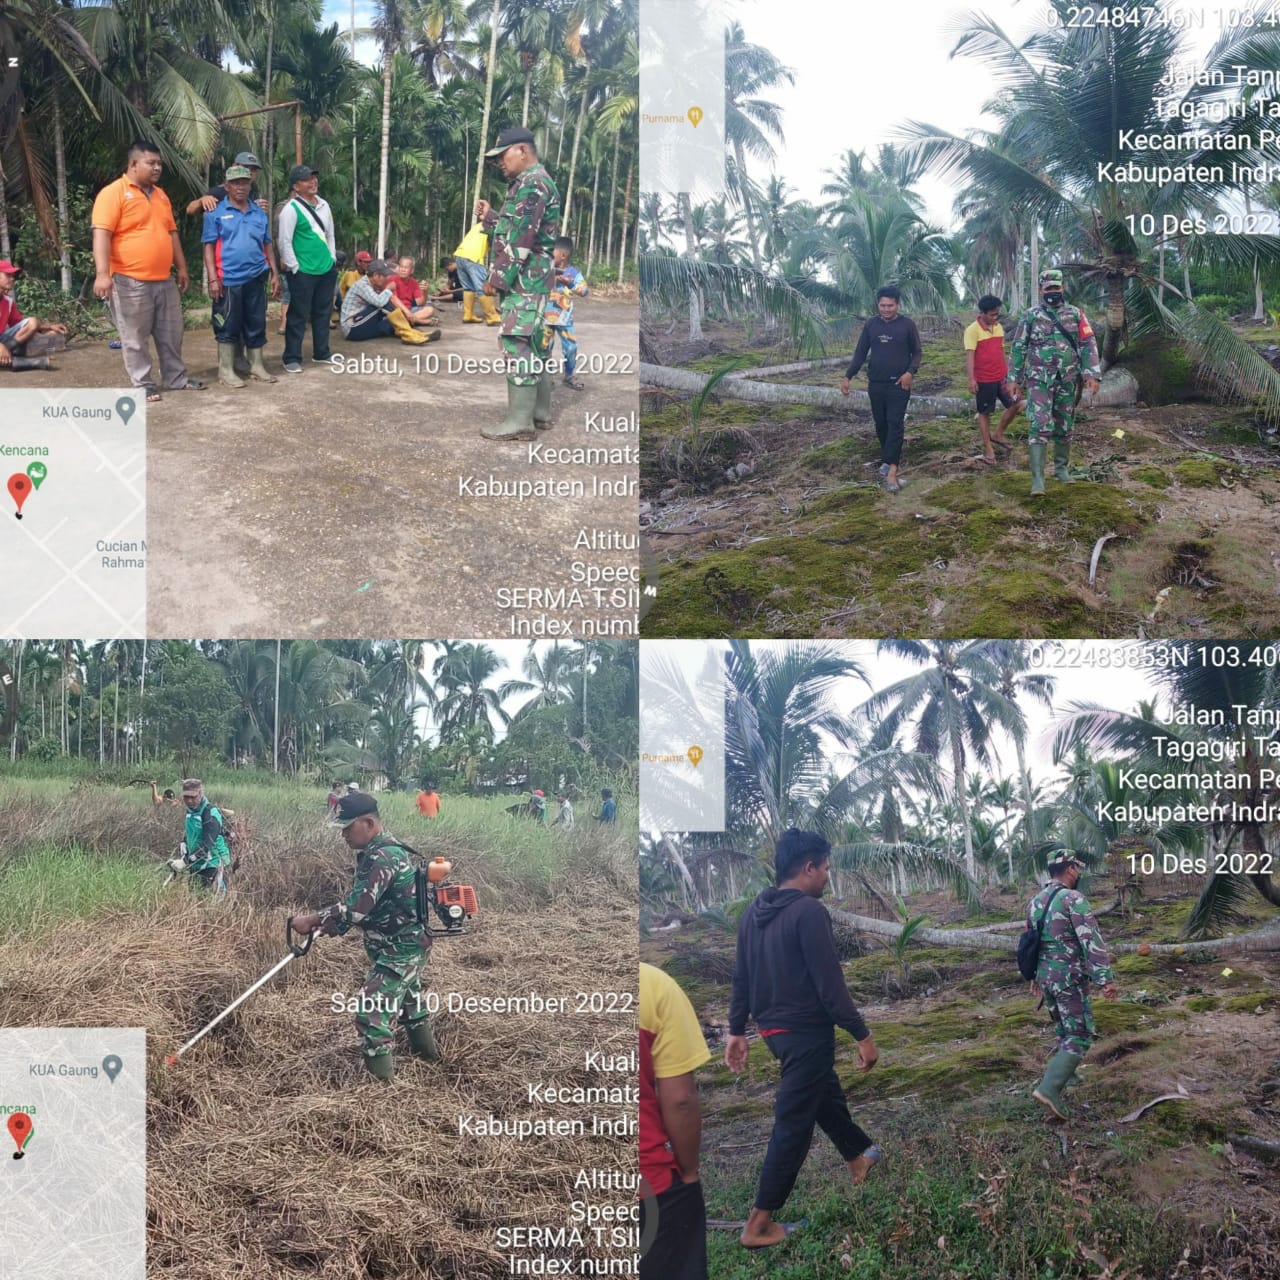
(975, 1182)
(810, 545)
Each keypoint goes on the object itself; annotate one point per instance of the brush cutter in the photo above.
(452, 904)
(296, 949)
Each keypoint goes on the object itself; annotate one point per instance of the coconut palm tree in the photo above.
(752, 123)
(953, 705)
(1214, 690)
(1053, 162)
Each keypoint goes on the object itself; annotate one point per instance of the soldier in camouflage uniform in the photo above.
(205, 852)
(1072, 954)
(383, 903)
(523, 235)
(1053, 347)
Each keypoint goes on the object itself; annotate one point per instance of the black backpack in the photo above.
(1029, 943)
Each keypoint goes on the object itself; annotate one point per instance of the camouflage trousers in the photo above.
(392, 992)
(1072, 1016)
(524, 338)
(1051, 404)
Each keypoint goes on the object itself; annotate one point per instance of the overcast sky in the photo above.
(861, 70)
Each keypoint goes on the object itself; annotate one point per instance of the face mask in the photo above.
(1053, 299)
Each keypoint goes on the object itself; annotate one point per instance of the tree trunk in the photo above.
(266, 102)
(490, 71)
(1116, 319)
(388, 58)
(524, 110)
(746, 205)
(577, 142)
(4, 215)
(1035, 258)
(685, 205)
(1160, 273)
(64, 221)
(1025, 778)
(690, 885)
(591, 235)
(962, 803)
(626, 212)
(607, 250)
(1186, 280)
(1264, 938)
(355, 182)
(1259, 311)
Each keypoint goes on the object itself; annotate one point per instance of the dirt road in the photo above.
(358, 503)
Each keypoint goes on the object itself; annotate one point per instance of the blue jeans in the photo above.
(471, 274)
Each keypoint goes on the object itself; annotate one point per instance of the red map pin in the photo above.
(19, 487)
(20, 1124)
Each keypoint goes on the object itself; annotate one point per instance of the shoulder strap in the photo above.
(315, 217)
(1045, 913)
(1057, 324)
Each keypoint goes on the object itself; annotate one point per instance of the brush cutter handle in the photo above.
(298, 949)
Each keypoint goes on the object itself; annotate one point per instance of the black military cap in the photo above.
(300, 173)
(510, 138)
(351, 807)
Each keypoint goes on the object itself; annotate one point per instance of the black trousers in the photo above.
(310, 298)
(240, 314)
(808, 1094)
(889, 409)
(679, 1249)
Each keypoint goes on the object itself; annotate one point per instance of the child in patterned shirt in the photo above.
(567, 284)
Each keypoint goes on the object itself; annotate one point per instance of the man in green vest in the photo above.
(205, 853)
(308, 256)
(524, 234)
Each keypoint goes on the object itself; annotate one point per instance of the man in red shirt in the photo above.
(17, 330)
(408, 292)
(988, 375)
(671, 1049)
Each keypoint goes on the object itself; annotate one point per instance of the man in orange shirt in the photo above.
(429, 802)
(135, 247)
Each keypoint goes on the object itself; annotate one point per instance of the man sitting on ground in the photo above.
(370, 310)
(409, 293)
(21, 346)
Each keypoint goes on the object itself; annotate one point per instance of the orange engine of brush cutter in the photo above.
(460, 895)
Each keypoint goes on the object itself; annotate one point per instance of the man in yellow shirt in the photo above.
(671, 1049)
(135, 248)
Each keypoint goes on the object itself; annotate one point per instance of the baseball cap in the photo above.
(1051, 276)
(380, 267)
(510, 138)
(248, 158)
(9, 269)
(236, 171)
(539, 794)
(192, 786)
(363, 256)
(300, 172)
(351, 807)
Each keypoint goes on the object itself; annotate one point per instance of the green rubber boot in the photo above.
(226, 366)
(241, 364)
(542, 406)
(1036, 450)
(383, 1067)
(422, 1041)
(518, 424)
(257, 370)
(1061, 452)
(1062, 1066)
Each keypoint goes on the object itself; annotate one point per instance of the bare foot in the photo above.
(862, 1165)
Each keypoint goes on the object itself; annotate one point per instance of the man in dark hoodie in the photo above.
(788, 978)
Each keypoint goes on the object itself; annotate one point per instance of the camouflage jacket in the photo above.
(1038, 345)
(383, 902)
(524, 233)
(1071, 948)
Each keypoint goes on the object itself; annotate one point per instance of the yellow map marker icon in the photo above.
(695, 756)
(695, 119)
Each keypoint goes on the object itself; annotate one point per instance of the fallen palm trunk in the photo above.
(1266, 938)
(1119, 388)
(800, 366)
